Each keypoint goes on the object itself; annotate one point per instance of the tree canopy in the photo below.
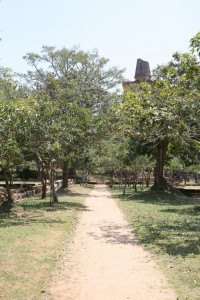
(67, 93)
(67, 109)
(166, 111)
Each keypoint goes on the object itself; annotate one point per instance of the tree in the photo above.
(82, 85)
(13, 111)
(167, 110)
(41, 137)
(73, 76)
(11, 114)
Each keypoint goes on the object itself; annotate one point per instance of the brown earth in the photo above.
(104, 260)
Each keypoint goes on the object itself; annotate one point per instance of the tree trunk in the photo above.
(135, 181)
(44, 183)
(112, 178)
(11, 179)
(44, 188)
(38, 163)
(8, 189)
(148, 178)
(159, 181)
(53, 190)
(55, 197)
(65, 176)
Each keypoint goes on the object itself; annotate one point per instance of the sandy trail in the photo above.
(104, 261)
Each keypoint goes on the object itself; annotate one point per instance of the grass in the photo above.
(32, 235)
(168, 226)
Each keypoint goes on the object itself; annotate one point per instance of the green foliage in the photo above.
(10, 125)
(65, 108)
(166, 112)
(72, 91)
(195, 44)
(27, 174)
(73, 76)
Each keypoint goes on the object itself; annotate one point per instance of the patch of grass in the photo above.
(31, 238)
(167, 225)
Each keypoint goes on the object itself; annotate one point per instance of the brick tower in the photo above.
(142, 73)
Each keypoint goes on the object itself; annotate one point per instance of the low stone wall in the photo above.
(27, 190)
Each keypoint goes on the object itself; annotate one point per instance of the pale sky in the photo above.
(121, 30)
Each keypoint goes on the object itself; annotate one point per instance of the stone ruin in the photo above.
(26, 190)
(142, 73)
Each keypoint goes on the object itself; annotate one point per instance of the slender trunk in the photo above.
(161, 151)
(44, 183)
(140, 180)
(53, 190)
(135, 182)
(8, 189)
(55, 197)
(44, 188)
(143, 179)
(65, 176)
(148, 178)
(82, 178)
(112, 178)
(11, 179)
(124, 190)
(39, 169)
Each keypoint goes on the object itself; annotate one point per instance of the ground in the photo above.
(104, 260)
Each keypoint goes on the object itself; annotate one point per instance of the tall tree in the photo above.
(166, 111)
(13, 111)
(81, 84)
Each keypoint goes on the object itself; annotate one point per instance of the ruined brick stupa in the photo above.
(142, 73)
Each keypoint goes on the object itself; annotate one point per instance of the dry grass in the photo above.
(32, 236)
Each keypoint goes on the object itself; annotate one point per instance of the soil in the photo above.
(104, 260)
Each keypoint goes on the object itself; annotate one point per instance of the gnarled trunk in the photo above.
(39, 168)
(161, 151)
(44, 182)
(53, 196)
(44, 188)
(8, 189)
(65, 176)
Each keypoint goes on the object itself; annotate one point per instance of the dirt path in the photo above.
(105, 262)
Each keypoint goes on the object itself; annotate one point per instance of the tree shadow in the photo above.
(190, 210)
(174, 239)
(183, 250)
(36, 214)
(69, 193)
(157, 197)
(37, 211)
(52, 207)
(174, 235)
(114, 234)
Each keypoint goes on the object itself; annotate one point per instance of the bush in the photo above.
(27, 174)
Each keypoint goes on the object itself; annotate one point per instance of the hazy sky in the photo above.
(121, 30)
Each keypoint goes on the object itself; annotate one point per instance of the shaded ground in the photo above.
(104, 261)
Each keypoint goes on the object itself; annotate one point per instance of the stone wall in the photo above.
(27, 190)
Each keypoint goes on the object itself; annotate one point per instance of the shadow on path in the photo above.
(114, 234)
